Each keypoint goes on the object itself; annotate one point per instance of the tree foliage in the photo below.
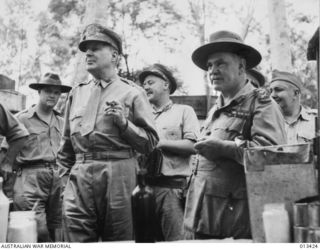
(152, 31)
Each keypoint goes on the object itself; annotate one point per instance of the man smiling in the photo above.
(300, 122)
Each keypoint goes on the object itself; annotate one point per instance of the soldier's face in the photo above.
(98, 56)
(49, 96)
(155, 87)
(284, 94)
(224, 71)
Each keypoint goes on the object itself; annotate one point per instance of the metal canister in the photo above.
(313, 235)
(300, 215)
(314, 214)
(301, 234)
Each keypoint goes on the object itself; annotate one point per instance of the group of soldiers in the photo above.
(80, 171)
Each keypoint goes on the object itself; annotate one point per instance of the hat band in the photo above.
(160, 74)
(102, 38)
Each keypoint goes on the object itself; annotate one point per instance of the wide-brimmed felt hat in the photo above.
(226, 41)
(161, 71)
(257, 75)
(97, 33)
(288, 77)
(50, 80)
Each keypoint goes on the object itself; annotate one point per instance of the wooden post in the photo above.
(279, 36)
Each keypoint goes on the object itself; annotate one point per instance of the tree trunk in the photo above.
(279, 36)
(95, 13)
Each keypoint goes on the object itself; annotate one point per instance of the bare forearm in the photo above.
(181, 147)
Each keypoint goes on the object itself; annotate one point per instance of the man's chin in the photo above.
(216, 87)
(51, 104)
(90, 68)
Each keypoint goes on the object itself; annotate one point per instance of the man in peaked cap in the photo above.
(256, 78)
(243, 116)
(108, 120)
(299, 121)
(37, 179)
(178, 129)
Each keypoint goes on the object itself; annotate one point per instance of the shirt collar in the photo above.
(105, 83)
(304, 114)
(163, 108)
(33, 111)
(242, 93)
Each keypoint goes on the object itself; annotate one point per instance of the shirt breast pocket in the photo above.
(172, 133)
(306, 135)
(35, 139)
(76, 119)
(229, 128)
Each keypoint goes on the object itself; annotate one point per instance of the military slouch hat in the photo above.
(226, 41)
(50, 80)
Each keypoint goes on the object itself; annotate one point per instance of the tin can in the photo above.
(313, 214)
(300, 234)
(300, 215)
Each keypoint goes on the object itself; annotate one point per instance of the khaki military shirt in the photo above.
(229, 121)
(10, 127)
(44, 140)
(140, 134)
(176, 122)
(303, 129)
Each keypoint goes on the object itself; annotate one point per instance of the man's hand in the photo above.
(117, 111)
(214, 148)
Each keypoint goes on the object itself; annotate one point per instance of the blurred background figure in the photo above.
(256, 78)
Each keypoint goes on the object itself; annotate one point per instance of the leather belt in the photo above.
(35, 165)
(45, 164)
(167, 181)
(105, 155)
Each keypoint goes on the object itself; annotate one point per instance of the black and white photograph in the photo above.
(159, 123)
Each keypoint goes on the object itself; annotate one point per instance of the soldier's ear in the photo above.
(167, 85)
(115, 55)
(242, 66)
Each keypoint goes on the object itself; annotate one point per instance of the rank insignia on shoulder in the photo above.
(129, 82)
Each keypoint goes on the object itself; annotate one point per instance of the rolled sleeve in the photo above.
(191, 126)
(141, 131)
(10, 127)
